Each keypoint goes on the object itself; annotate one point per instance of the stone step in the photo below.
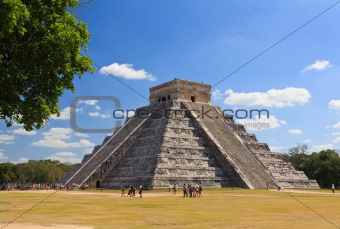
(90, 167)
(241, 157)
(162, 158)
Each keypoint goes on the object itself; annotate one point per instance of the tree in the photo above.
(33, 171)
(7, 173)
(298, 155)
(41, 45)
(323, 166)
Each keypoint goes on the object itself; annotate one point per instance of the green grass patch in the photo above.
(219, 208)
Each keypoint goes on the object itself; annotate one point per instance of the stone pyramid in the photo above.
(182, 138)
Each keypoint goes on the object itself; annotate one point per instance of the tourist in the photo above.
(140, 190)
(333, 188)
(132, 191)
(175, 189)
(185, 191)
(129, 191)
(200, 191)
(194, 187)
(190, 190)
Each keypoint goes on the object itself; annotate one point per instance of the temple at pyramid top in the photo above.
(181, 89)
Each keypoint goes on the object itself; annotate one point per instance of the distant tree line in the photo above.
(323, 166)
(33, 171)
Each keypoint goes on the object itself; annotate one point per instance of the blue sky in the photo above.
(146, 43)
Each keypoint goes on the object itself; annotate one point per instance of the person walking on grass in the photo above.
(129, 192)
(133, 191)
(333, 188)
(175, 189)
(185, 191)
(200, 189)
(140, 191)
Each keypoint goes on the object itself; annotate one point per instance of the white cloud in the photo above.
(318, 148)
(56, 137)
(81, 135)
(65, 154)
(216, 94)
(88, 150)
(319, 65)
(307, 141)
(261, 123)
(6, 139)
(126, 71)
(277, 149)
(22, 131)
(337, 139)
(272, 98)
(294, 131)
(62, 144)
(2, 155)
(335, 133)
(334, 105)
(98, 108)
(17, 124)
(94, 114)
(72, 160)
(336, 125)
(90, 102)
(21, 160)
(97, 114)
(283, 122)
(65, 113)
(58, 133)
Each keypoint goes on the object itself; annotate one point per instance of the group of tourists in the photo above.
(192, 190)
(55, 186)
(132, 191)
(41, 186)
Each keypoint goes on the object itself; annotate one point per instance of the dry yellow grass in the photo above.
(219, 208)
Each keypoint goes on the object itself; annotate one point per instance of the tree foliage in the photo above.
(324, 166)
(298, 154)
(33, 171)
(41, 45)
(7, 173)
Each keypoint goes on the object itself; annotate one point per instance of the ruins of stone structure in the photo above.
(180, 137)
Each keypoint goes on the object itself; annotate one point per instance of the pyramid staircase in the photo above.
(168, 151)
(106, 156)
(283, 172)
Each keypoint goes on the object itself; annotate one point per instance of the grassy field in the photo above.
(219, 208)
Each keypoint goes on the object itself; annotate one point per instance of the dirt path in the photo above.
(34, 226)
(307, 192)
